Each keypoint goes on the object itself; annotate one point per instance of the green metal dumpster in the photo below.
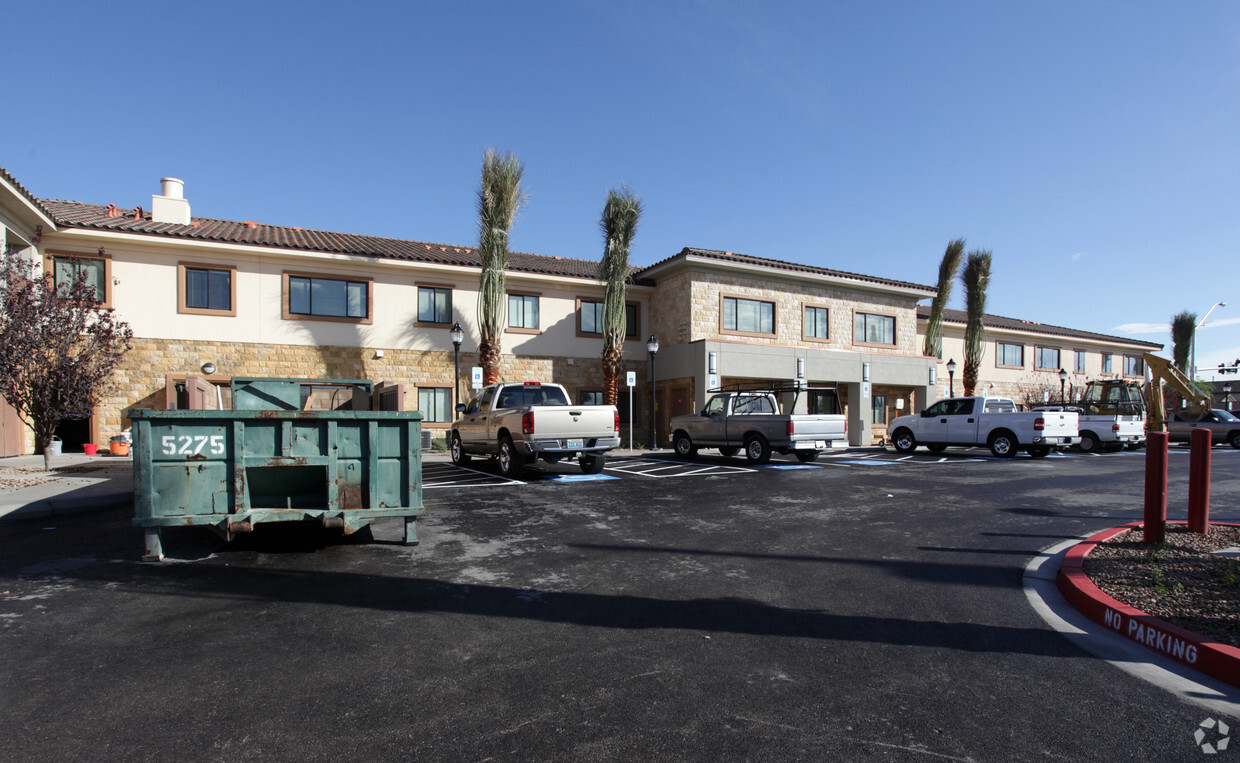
(230, 470)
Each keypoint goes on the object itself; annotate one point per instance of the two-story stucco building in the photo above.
(209, 300)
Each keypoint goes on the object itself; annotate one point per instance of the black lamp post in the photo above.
(1063, 379)
(457, 337)
(652, 346)
(1227, 395)
(951, 378)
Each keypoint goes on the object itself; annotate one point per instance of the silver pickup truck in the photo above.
(520, 422)
(751, 419)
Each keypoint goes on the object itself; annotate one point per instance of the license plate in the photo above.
(822, 444)
(576, 444)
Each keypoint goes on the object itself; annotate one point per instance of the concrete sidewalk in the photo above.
(77, 483)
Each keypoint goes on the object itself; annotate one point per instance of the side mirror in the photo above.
(460, 407)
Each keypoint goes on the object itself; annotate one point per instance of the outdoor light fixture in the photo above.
(458, 336)
(208, 368)
(951, 377)
(652, 346)
(712, 361)
(1193, 345)
(933, 375)
(1063, 379)
(800, 368)
(865, 372)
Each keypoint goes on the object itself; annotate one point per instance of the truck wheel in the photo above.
(1039, 451)
(459, 456)
(807, 456)
(729, 452)
(757, 450)
(904, 441)
(1003, 444)
(592, 464)
(1089, 442)
(1234, 440)
(510, 462)
(683, 445)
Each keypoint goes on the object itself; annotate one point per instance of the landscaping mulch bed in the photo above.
(1181, 580)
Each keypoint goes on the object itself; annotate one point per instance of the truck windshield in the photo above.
(512, 397)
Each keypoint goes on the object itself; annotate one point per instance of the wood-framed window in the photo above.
(64, 267)
(1078, 361)
(874, 329)
(523, 310)
(320, 297)
(746, 316)
(815, 323)
(1134, 365)
(1046, 358)
(1008, 355)
(434, 305)
(1108, 363)
(206, 289)
(590, 318)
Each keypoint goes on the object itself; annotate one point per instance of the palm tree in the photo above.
(499, 198)
(619, 225)
(976, 279)
(947, 274)
(1183, 326)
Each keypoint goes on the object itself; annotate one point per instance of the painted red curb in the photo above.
(1221, 661)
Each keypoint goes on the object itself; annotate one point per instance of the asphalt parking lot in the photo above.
(867, 607)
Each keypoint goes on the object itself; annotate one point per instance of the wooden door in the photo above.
(12, 431)
(202, 394)
(674, 400)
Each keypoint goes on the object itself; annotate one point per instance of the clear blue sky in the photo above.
(1093, 147)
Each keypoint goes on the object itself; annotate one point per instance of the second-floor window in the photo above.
(590, 319)
(1046, 358)
(1134, 366)
(328, 297)
(1010, 355)
(749, 316)
(1078, 361)
(94, 269)
(1108, 363)
(817, 323)
(874, 329)
(523, 311)
(434, 305)
(208, 289)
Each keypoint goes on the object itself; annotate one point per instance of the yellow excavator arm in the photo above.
(1163, 372)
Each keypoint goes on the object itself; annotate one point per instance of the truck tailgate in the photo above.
(1060, 424)
(562, 422)
(818, 427)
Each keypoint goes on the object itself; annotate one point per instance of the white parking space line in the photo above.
(648, 467)
(451, 476)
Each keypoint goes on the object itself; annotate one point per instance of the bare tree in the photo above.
(58, 347)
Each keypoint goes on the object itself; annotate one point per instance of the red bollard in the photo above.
(1155, 486)
(1199, 481)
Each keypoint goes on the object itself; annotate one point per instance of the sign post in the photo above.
(631, 380)
(477, 377)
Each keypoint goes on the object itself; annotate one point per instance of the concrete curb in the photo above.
(55, 507)
(1217, 660)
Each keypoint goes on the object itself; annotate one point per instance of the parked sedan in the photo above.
(1224, 426)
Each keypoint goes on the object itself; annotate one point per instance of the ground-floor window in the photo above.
(823, 403)
(435, 404)
(879, 403)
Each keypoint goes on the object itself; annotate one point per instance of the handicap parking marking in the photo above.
(653, 467)
(579, 477)
(870, 462)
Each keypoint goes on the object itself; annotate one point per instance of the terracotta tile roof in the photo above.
(75, 214)
(1015, 324)
(763, 262)
(22, 190)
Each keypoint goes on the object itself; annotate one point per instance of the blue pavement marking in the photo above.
(580, 477)
(787, 466)
(872, 462)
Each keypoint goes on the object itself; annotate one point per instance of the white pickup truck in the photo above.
(751, 419)
(520, 422)
(991, 421)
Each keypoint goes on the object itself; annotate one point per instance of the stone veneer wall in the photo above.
(669, 319)
(790, 298)
(141, 379)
